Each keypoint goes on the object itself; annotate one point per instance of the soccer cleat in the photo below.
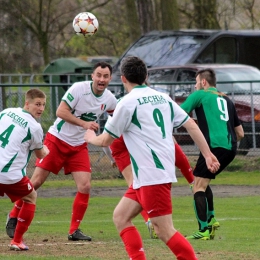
(203, 235)
(191, 185)
(18, 246)
(150, 227)
(78, 235)
(213, 225)
(10, 226)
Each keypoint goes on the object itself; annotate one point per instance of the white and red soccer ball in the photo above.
(85, 24)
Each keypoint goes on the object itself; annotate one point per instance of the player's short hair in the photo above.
(209, 75)
(103, 65)
(34, 93)
(134, 69)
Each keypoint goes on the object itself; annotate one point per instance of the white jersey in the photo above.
(20, 134)
(146, 119)
(85, 105)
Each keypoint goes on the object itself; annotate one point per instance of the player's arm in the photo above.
(239, 132)
(108, 153)
(102, 140)
(64, 112)
(197, 136)
(41, 153)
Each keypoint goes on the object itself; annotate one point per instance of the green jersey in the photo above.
(216, 115)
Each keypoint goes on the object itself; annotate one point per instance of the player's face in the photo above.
(35, 107)
(101, 78)
(198, 85)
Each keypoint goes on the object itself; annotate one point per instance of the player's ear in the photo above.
(123, 78)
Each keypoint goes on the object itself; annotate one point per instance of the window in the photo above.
(221, 51)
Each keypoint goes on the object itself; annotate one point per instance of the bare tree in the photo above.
(46, 20)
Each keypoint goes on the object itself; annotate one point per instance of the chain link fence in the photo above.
(13, 88)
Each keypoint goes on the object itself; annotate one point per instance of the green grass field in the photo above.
(237, 238)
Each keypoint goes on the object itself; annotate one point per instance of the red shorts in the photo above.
(120, 153)
(17, 190)
(154, 199)
(71, 158)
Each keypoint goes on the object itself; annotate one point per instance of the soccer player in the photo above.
(82, 104)
(146, 119)
(20, 135)
(218, 121)
(120, 158)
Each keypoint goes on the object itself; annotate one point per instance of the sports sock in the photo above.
(181, 162)
(79, 208)
(145, 215)
(201, 209)
(181, 248)
(133, 243)
(209, 196)
(25, 218)
(16, 209)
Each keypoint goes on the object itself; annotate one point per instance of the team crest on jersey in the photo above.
(88, 117)
(103, 107)
(70, 97)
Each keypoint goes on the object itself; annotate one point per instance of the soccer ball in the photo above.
(85, 24)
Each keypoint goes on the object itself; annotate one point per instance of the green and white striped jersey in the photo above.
(20, 134)
(85, 105)
(146, 119)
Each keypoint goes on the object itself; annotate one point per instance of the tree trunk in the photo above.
(132, 19)
(146, 15)
(205, 14)
(170, 16)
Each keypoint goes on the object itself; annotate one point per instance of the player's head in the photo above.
(35, 101)
(101, 76)
(134, 70)
(205, 78)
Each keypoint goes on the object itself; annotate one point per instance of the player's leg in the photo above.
(123, 214)
(38, 178)
(122, 159)
(182, 162)
(80, 205)
(157, 198)
(78, 164)
(201, 208)
(213, 224)
(24, 189)
(225, 157)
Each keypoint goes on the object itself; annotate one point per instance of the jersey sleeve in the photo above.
(121, 114)
(192, 101)
(37, 139)
(72, 95)
(180, 116)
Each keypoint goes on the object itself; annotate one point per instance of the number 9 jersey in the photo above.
(146, 119)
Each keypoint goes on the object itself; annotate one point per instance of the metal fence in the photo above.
(13, 88)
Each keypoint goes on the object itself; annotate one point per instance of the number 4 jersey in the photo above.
(20, 134)
(146, 119)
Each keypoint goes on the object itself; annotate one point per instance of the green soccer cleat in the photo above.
(150, 227)
(212, 227)
(203, 235)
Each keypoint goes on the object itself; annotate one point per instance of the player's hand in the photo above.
(113, 164)
(212, 163)
(92, 125)
(89, 135)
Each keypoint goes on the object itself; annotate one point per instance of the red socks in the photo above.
(16, 209)
(25, 218)
(78, 210)
(144, 215)
(181, 248)
(181, 162)
(133, 243)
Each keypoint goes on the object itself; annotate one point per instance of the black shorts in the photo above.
(224, 156)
